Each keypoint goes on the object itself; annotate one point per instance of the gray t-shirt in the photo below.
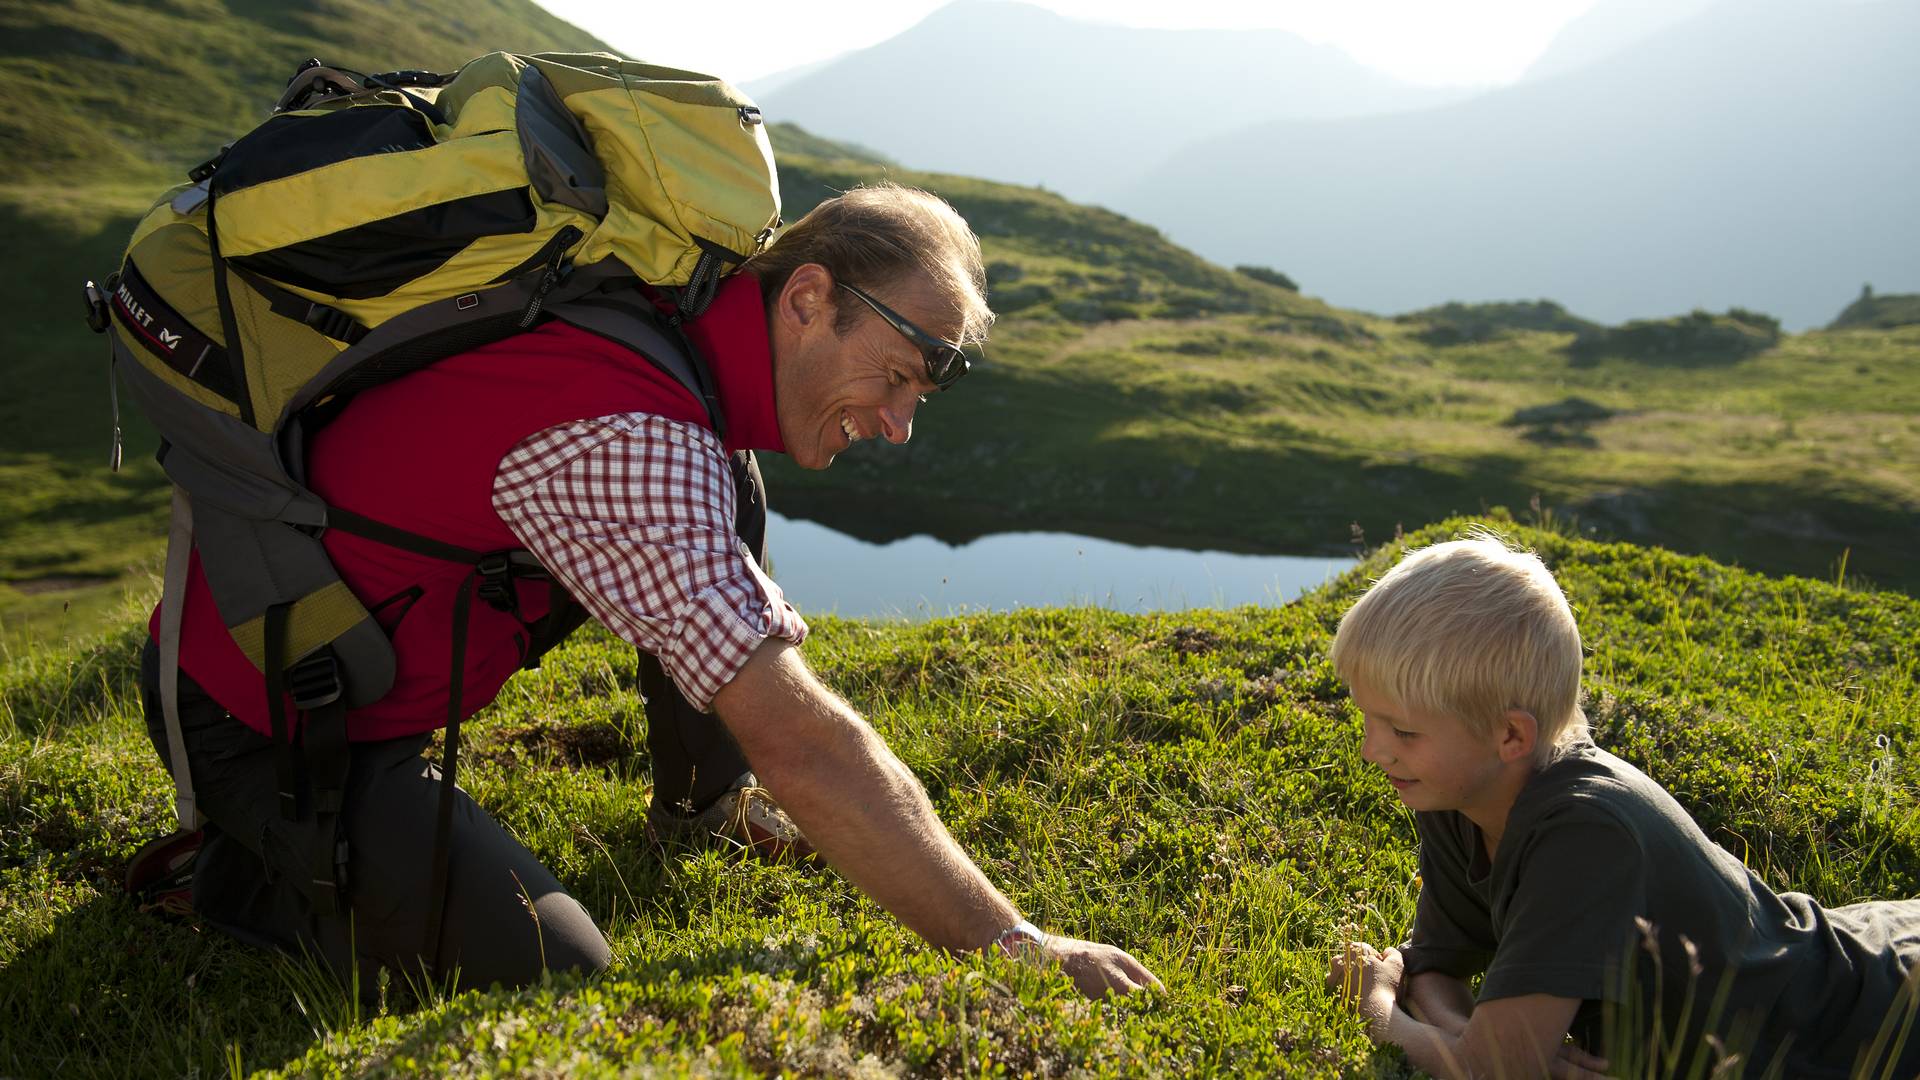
(1591, 846)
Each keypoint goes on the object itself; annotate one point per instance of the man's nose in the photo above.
(896, 420)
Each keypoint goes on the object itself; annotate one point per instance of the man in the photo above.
(610, 473)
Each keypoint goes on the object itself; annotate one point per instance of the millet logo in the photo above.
(132, 307)
(150, 323)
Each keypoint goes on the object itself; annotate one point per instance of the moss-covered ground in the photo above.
(1186, 786)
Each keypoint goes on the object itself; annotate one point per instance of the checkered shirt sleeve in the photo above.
(634, 514)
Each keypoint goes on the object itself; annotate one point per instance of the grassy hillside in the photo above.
(1135, 391)
(1186, 786)
(151, 87)
(1882, 312)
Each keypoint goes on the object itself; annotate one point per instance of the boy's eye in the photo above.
(1401, 733)
(894, 378)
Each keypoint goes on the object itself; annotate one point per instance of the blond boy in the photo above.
(1559, 871)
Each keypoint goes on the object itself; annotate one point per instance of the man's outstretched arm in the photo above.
(870, 818)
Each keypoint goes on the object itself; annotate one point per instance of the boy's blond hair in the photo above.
(1469, 628)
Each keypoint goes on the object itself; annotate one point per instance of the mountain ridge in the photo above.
(1654, 181)
(1041, 97)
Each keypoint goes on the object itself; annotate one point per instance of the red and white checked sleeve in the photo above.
(634, 514)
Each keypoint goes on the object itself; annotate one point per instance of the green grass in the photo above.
(1186, 786)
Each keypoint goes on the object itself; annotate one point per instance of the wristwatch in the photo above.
(1021, 939)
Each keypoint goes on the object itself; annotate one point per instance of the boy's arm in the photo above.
(1439, 999)
(1507, 1037)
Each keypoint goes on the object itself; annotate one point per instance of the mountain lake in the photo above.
(824, 571)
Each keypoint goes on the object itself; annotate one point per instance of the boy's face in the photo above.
(1433, 760)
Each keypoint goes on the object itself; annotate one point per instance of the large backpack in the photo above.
(372, 225)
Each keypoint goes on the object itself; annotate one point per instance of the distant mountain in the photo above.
(767, 84)
(1607, 28)
(1759, 154)
(1013, 92)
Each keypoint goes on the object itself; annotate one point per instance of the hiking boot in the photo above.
(160, 877)
(745, 816)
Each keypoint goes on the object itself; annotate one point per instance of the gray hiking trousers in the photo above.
(254, 865)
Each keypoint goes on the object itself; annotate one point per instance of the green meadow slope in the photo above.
(1132, 389)
(1186, 786)
(150, 87)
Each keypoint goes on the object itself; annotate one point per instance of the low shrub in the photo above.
(1696, 338)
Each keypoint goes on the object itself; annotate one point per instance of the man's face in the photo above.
(1433, 760)
(832, 391)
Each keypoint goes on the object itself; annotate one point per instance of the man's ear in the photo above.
(806, 298)
(1519, 733)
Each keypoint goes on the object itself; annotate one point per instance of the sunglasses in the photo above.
(945, 360)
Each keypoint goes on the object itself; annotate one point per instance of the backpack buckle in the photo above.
(496, 581)
(98, 318)
(333, 323)
(315, 682)
(204, 171)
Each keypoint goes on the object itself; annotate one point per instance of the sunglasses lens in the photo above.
(945, 366)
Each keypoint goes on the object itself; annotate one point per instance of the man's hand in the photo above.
(1098, 969)
(1368, 980)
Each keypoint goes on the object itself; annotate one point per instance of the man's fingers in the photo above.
(1139, 973)
(1125, 974)
(1098, 969)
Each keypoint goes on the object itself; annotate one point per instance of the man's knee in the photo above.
(513, 946)
(570, 940)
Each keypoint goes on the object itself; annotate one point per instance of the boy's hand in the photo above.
(1573, 1063)
(1368, 980)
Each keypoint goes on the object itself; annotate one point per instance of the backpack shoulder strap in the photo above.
(625, 317)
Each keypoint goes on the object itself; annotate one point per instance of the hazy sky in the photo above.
(1424, 41)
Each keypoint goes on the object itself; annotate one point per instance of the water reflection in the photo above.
(824, 571)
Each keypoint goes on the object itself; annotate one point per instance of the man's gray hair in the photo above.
(872, 238)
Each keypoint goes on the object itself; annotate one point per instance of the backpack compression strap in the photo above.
(172, 599)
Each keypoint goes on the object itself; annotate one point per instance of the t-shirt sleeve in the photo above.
(1574, 894)
(1452, 929)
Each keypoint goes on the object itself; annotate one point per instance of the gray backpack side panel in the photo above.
(252, 565)
(245, 510)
